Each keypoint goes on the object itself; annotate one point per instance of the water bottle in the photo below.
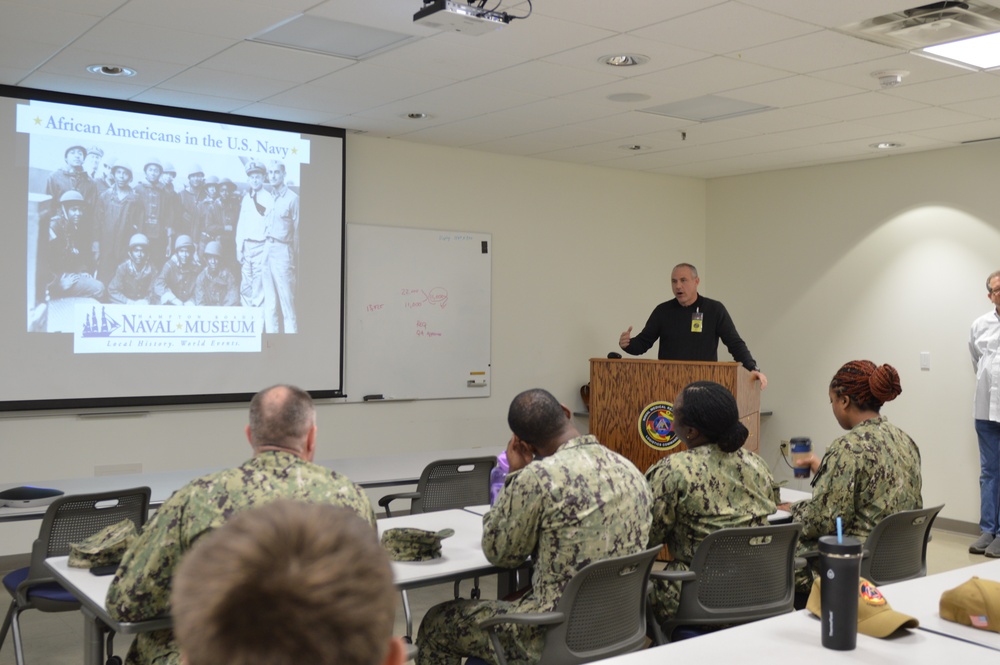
(801, 449)
(497, 476)
(840, 570)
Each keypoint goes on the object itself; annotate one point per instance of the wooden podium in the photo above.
(622, 389)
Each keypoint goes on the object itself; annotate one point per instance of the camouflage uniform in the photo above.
(141, 587)
(582, 504)
(866, 475)
(698, 492)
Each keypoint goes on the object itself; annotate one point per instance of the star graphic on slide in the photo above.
(38, 120)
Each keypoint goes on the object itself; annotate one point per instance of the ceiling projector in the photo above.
(469, 20)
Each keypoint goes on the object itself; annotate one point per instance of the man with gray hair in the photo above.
(282, 433)
(984, 345)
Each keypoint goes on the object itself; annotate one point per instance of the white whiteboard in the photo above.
(418, 313)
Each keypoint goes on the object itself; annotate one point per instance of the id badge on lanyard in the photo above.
(696, 320)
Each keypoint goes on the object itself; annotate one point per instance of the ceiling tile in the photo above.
(609, 15)
(927, 118)
(42, 24)
(203, 81)
(127, 39)
(726, 29)
(816, 51)
(73, 61)
(661, 56)
(709, 76)
(860, 105)
(792, 91)
(544, 79)
(968, 87)
(440, 57)
(451, 103)
(276, 62)
(358, 88)
(189, 100)
(832, 14)
(972, 131)
(102, 87)
(220, 18)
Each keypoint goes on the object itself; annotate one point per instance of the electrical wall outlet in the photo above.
(784, 447)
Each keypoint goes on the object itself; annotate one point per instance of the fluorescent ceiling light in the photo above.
(978, 52)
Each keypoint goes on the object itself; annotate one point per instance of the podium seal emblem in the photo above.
(656, 426)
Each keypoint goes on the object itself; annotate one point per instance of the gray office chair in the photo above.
(896, 549)
(68, 519)
(737, 576)
(446, 484)
(602, 613)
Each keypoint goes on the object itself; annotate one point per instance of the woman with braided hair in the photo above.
(867, 474)
(714, 484)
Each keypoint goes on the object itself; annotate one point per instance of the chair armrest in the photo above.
(389, 498)
(809, 555)
(525, 619)
(21, 592)
(674, 575)
(800, 562)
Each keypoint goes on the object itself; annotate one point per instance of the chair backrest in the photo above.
(741, 574)
(73, 517)
(605, 609)
(896, 549)
(454, 483)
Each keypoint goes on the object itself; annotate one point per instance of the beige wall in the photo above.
(579, 253)
(881, 259)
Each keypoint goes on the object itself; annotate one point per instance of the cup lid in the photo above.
(830, 545)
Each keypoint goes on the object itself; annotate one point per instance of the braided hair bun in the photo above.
(867, 385)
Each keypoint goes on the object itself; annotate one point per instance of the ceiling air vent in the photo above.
(927, 25)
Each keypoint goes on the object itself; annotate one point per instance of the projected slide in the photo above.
(157, 212)
(186, 236)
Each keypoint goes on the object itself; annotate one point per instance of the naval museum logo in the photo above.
(656, 426)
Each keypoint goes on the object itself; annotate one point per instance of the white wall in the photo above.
(880, 259)
(579, 254)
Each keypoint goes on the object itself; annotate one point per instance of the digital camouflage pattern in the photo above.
(697, 492)
(583, 504)
(409, 544)
(866, 475)
(140, 589)
(104, 548)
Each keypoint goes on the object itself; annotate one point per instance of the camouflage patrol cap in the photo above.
(104, 548)
(408, 544)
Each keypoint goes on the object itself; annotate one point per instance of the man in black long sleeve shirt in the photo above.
(690, 326)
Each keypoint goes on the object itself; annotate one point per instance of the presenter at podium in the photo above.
(690, 326)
